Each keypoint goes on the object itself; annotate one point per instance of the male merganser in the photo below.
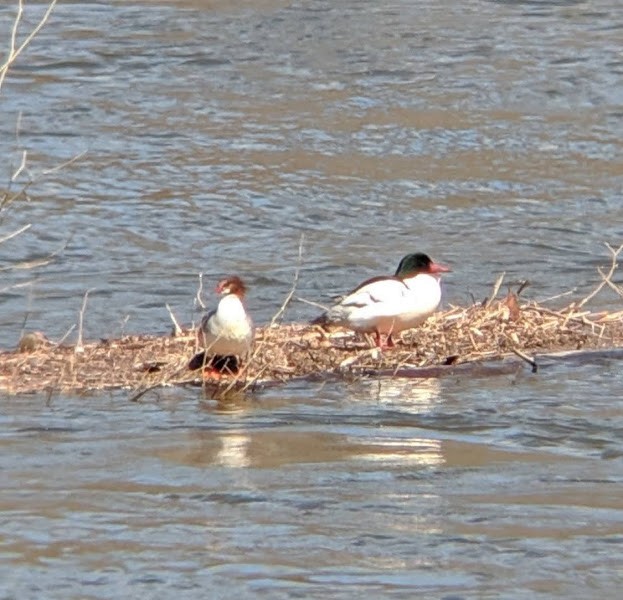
(390, 304)
(226, 331)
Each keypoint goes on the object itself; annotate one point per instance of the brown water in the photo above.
(216, 133)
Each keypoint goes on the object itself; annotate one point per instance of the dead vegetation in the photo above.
(486, 331)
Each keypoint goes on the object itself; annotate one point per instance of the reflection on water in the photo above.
(414, 450)
(431, 485)
(404, 396)
(411, 395)
(233, 451)
(487, 134)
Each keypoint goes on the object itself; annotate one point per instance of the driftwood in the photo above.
(491, 337)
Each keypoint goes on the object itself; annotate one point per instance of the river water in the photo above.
(210, 136)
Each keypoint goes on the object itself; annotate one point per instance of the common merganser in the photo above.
(226, 331)
(390, 304)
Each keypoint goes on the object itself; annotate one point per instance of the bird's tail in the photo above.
(323, 319)
(222, 364)
(333, 316)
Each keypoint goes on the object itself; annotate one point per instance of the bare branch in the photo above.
(79, 344)
(65, 336)
(605, 278)
(496, 289)
(15, 233)
(21, 167)
(199, 292)
(37, 262)
(177, 330)
(68, 162)
(297, 272)
(617, 288)
(312, 303)
(14, 50)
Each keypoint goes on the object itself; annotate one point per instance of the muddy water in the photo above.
(211, 136)
(503, 488)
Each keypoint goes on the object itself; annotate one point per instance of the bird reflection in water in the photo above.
(234, 450)
(412, 395)
(400, 398)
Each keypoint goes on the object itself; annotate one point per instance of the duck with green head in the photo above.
(387, 305)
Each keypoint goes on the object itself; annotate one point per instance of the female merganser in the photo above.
(226, 331)
(389, 305)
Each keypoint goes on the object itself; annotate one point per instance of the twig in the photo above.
(15, 233)
(496, 289)
(522, 286)
(402, 363)
(22, 165)
(199, 292)
(38, 262)
(531, 361)
(65, 336)
(15, 286)
(122, 324)
(606, 278)
(176, 326)
(79, 345)
(18, 125)
(62, 165)
(557, 296)
(297, 272)
(617, 288)
(311, 303)
(14, 50)
(242, 372)
(27, 313)
(137, 396)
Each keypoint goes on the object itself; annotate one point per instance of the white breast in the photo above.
(229, 330)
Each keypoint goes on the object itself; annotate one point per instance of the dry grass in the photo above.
(486, 331)
(284, 352)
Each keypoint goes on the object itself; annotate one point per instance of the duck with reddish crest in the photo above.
(387, 305)
(226, 332)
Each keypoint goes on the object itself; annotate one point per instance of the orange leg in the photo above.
(389, 342)
(377, 339)
(211, 373)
